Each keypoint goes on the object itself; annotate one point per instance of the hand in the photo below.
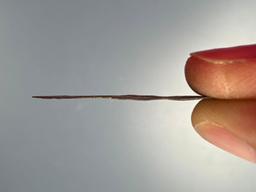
(229, 75)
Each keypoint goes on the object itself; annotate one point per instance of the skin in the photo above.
(227, 121)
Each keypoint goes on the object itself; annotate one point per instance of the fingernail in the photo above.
(224, 139)
(228, 55)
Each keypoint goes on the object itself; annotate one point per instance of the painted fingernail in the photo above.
(228, 55)
(224, 139)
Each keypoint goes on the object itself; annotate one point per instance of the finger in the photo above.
(228, 124)
(223, 73)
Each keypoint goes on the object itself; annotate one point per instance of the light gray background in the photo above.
(111, 46)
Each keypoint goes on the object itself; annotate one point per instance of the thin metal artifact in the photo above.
(124, 97)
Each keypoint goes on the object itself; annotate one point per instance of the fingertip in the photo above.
(228, 124)
(228, 73)
(208, 79)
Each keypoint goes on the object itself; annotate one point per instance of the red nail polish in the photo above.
(244, 52)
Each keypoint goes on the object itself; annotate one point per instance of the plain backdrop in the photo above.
(112, 47)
